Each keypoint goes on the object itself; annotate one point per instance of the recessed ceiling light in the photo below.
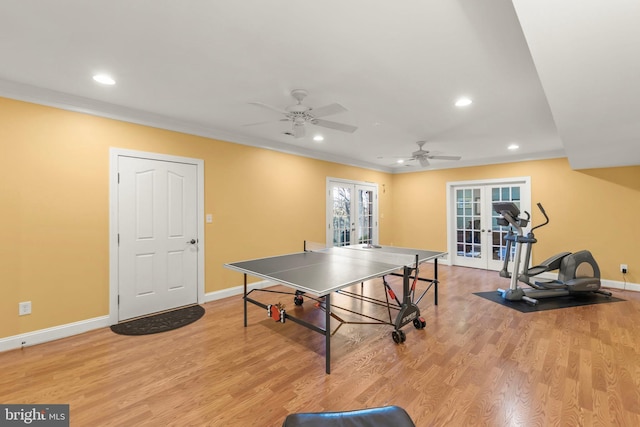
(318, 138)
(400, 161)
(463, 102)
(513, 147)
(104, 79)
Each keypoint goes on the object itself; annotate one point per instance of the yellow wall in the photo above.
(55, 208)
(54, 214)
(589, 209)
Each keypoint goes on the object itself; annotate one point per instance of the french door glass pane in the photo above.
(341, 216)
(499, 245)
(365, 216)
(468, 224)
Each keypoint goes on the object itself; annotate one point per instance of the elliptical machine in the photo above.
(578, 272)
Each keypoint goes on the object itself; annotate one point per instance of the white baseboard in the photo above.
(70, 329)
(236, 290)
(614, 284)
(54, 333)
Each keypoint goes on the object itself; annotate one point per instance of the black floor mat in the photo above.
(548, 303)
(161, 322)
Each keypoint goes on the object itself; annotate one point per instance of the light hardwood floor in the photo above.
(476, 363)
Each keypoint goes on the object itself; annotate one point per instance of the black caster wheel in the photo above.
(419, 323)
(298, 300)
(398, 336)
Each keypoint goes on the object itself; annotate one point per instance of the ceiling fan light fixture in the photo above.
(463, 102)
(400, 161)
(104, 79)
(318, 138)
(300, 114)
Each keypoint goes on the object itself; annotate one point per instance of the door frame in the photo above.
(114, 153)
(329, 209)
(450, 197)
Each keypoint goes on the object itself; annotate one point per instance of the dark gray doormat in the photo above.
(548, 303)
(161, 322)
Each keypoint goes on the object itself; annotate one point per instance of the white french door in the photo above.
(352, 213)
(157, 236)
(475, 238)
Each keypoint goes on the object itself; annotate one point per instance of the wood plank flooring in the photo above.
(476, 363)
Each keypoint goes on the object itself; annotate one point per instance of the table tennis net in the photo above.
(385, 255)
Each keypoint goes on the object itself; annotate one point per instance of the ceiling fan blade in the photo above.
(269, 107)
(327, 110)
(334, 125)
(298, 131)
(446, 157)
(424, 162)
(260, 123)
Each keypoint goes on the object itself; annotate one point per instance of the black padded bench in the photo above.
(387, 416)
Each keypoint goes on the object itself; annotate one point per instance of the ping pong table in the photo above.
(321, 271)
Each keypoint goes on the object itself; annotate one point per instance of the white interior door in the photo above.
(158, 236)
(352, 216)
(476, 239)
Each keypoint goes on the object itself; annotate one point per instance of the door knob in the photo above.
(192, 241)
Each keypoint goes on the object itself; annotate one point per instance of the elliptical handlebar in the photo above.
(545, 217)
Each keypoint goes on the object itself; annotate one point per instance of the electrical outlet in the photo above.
(24, 308)
(623, 268)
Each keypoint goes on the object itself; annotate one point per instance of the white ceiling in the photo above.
(558, 78)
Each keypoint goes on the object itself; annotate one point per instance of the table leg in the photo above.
(327, 332)
(406, 286)
(244, 299)
(435, 281)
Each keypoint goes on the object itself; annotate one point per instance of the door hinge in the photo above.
(118, 299)
(118, 239)
(118, 177)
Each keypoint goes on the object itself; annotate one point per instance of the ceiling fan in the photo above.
(299, 115)
(423, 156)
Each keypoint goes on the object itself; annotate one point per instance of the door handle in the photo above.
(192, 241)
